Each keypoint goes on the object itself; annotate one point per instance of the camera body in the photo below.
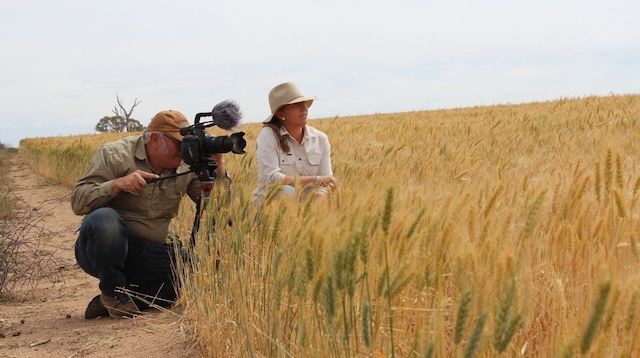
(198, 147)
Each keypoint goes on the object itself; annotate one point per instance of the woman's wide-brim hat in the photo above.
(283, 94)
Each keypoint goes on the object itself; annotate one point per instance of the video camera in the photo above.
(198, 146)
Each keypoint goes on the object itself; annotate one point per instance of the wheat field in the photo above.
(505, 230)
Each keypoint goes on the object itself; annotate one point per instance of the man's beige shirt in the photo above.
(149, 211)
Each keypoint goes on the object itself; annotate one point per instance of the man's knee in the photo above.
(104, 225)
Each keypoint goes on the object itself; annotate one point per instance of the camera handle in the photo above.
(154, 180)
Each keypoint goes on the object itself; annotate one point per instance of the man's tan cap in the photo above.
(168, 122)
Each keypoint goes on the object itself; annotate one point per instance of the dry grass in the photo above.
(7, 201)
(64, 159)
(461, 232)
(25, 256)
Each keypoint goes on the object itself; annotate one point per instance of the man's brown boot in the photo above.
(119, 305)
(95, 309)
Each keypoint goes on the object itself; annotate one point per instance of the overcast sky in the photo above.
(62, 62)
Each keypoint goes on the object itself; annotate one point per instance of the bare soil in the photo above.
(48, 321)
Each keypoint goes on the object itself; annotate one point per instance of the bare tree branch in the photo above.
(122, 121)
(122, 110)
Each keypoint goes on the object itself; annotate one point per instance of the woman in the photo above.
(289, 152)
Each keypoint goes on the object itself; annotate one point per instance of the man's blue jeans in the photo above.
(108, 250)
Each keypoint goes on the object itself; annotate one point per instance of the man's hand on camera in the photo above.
(132, 182)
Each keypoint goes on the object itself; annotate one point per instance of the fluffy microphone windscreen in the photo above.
(226, 114)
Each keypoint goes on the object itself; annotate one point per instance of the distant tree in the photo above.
(122, 121)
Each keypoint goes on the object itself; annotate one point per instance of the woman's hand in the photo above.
(326, 180)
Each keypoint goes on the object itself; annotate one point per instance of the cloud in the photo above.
(63, 62)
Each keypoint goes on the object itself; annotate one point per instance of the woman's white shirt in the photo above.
(310, 157)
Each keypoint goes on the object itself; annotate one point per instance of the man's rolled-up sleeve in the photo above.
(94, 190)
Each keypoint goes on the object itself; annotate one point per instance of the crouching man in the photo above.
(122, 238)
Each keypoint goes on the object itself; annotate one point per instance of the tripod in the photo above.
(206, 173)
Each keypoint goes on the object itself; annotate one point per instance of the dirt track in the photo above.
(49, 321)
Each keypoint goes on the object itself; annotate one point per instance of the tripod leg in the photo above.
(196, 223)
